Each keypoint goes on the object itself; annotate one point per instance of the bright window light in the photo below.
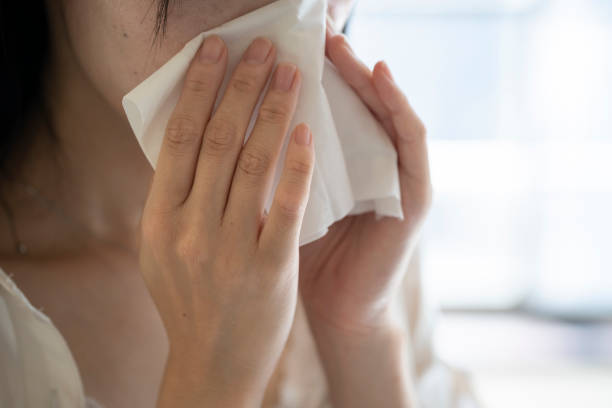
(517, 99)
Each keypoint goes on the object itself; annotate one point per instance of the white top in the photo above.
(37, 368)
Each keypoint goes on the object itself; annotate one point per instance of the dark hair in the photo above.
(24, 53)
(162, 17)
(24, 49)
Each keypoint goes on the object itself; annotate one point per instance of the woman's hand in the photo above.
(222, 275)
(348, 276)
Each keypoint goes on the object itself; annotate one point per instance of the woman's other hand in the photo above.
(349, 277)
(224, 276)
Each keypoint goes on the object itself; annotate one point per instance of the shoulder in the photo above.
(12, 297)
(37, 366)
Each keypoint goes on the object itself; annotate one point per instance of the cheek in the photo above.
(113, 39)
(112, 42)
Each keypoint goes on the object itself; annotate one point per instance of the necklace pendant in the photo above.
(22, 249)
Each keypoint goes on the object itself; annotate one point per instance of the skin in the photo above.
(101, 50)
(348, 278)
(223, 280)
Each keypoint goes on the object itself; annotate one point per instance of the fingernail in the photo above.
(303, 135)
(283, 79)
(258, 51)
(386, 70)
(211, 50)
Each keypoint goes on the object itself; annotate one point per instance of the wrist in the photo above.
(347, 339)
(365, 368)
(353, 325)
(189, 380)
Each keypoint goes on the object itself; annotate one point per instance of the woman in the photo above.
(174, 289)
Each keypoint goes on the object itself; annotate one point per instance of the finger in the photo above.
(329, 33)
(224, 134)
(411, 134)
(359, 77)
(281, 231)
(257, 161)
(181, 144)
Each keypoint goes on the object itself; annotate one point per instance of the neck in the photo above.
(100, 176)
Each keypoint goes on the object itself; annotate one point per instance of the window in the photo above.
(517, 98)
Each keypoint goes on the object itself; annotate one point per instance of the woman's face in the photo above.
(112, 40)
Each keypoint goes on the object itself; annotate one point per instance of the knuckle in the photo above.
(197, 86)
(399, 104)
(362, 87)
(420, 129)
(271, 258)
(279, 273)
(275, 114)
(244, 83)
(254, 162)
(299, 167)
(219, 137)
(181, 133)
(289, 208)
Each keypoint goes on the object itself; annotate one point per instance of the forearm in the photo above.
(366, 371)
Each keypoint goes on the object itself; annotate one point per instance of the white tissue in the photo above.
(356, 164)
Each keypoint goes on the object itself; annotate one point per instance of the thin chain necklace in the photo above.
(22, 249)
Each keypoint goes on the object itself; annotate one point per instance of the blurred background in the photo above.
(517, 99)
